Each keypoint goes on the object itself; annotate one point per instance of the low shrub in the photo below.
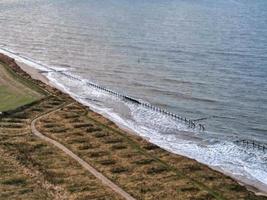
(143, 161)
(113, 140)
(150, 146)
(118, 170)
(118, 147)
(107, 162)
(156, 170)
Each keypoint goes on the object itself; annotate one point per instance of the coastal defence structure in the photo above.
(144, 169)
(251, 144)
(190, 123)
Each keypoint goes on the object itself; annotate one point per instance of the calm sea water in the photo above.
(196, 58)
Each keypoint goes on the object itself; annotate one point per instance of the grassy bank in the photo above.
(13, 91)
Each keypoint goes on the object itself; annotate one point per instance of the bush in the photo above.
(107, 162)
(113, 140)
(150, 147)
(117, 170)
(82, 125)
(86, 146)
(55, 103)
(11, 126)
(58, 130)
(98, 154)
(92, 129)
(78, 140)
(156, 170)
(118, 146)
(14, 181)
(144, 161)
(50, 125)
(100, 134)
(37, 109)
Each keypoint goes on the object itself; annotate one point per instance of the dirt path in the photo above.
(84, 164)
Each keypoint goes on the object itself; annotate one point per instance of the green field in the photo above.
(13, 92)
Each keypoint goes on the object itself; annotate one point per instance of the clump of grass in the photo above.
(209, 177)
(189, 189)
(78, 188)
(39, 146)
(53, 177)
(118, 170)
(58, 130)
(143, 161)
(193, 167)
(21, 115)
(145, 189)
(75, 120)
(150, 146)
(72, 108)
(110, 123)
(118, 147)
(82, 125)
(14, 120)
(50, 125)
(235, 187)
(11, 125)
(107, 162)
(24, 191)
(70, 116)
(37, 109)
(93, 129)
(47, 121)
(47, 106)
(129, 154)
(156, 170)
(77, 140)
(86, 146)
(100, 134)
(14, 181)
(98, 154)
(55, 103)
(113, 140)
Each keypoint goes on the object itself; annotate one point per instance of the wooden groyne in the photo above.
(190, 123)
(251, 144)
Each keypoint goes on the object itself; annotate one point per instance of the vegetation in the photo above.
(33, 169)
(13, 93)
(141, 168)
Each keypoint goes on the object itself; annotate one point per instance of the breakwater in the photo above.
(190, 123)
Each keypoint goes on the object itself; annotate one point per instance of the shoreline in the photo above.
(36, 74)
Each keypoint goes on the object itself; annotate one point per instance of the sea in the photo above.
(188, 75)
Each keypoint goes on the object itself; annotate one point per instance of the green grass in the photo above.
(15, 91)
(14, 181)
(25, 82)
(10, 100)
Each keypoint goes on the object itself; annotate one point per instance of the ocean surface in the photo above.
(204, 60)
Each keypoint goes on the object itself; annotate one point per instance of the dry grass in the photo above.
(33, 169)
(57, 175)
(141, 168)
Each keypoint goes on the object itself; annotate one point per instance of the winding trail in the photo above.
(84, 164)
